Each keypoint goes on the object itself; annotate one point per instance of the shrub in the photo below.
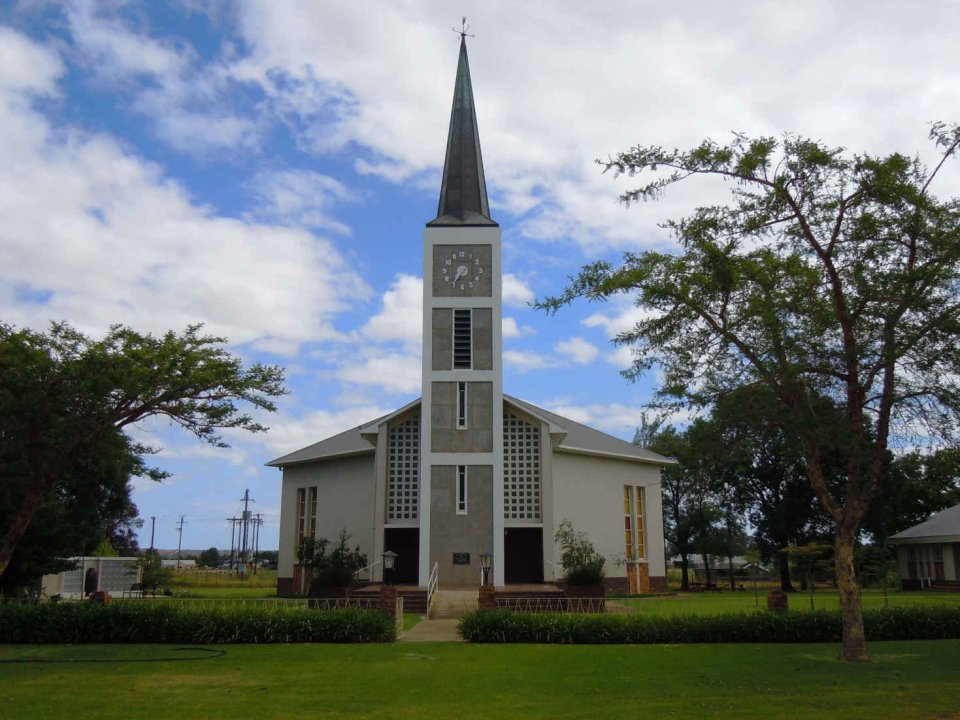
(169, 623)
(581, 562)
(503, 626)
(333, 569)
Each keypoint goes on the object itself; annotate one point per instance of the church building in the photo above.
(466, 470)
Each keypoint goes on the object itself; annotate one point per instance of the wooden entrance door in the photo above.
(523, 555)
(405, 542)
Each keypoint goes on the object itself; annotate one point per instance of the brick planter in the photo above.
(777, 601)
(388, 600)
(487, 599)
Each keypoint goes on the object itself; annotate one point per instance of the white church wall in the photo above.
(588, 490)
(344, 500)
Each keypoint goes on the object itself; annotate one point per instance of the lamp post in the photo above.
(389, 560)
(486, 560)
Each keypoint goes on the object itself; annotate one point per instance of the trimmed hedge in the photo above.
(504, 626)
(148, 623)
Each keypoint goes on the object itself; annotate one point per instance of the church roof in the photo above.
(574, 437)
(463, 191)
(943, 526)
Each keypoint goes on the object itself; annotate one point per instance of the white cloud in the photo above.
(25, 66)
(394, 372)
(93, 234)
(511, 329)
(566, 353)
(301, 198)
(186, 100)
(525, 360)
(401, 314)
(516, 292)
(577, 350)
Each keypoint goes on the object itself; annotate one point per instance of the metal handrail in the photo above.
(432, 583)
(356, 573)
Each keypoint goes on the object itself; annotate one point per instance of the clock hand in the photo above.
(461, 271)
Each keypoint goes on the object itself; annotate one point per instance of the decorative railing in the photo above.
(551, 604)
(364, 603)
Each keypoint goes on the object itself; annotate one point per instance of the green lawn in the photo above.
(712, 603)
(904, 680)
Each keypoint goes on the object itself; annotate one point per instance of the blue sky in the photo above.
(266, 168)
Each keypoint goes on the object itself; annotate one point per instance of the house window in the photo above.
(403, 471)
(634, 546)
(461, 405)
(461, 489)
(462, 339)
(306, 513)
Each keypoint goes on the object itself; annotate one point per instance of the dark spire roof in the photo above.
(463, 192)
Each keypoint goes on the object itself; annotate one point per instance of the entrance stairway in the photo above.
(453, 603)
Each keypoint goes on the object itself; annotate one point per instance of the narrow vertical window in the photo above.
(301, 514)
(462, 339)
(633, 523)
(638, 525)
(313, 512)
(461, 489)
(461, 405)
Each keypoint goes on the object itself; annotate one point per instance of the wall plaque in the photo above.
(461, 558)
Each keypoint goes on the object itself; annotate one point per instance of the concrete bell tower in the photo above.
(461, 457)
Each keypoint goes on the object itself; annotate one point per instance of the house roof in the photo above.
(463, 190)
(943, 526)
(572, 437)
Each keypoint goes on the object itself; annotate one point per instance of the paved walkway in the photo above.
(439, 630)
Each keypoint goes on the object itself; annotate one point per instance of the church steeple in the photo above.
(463, 192)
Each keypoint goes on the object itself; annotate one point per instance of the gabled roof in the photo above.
(943, 526)
(463, 190)
(570, 436)
(583, 439)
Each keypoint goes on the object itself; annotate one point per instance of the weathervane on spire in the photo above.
(463, 29)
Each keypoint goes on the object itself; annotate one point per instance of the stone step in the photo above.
(452, 604)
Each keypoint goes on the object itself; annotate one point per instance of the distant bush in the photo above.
(502, 626)
(164, 623)
(330, 569)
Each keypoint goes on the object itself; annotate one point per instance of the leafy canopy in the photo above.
(63, 394)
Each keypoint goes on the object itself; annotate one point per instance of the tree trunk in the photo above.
(20, 523)
(733, 585)
(854, 640)
(684, 572)
(784, 564)
(706, 568)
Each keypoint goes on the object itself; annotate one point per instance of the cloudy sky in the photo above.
(266, 168)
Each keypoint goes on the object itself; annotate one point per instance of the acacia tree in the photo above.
(827, 274)
(63, 395)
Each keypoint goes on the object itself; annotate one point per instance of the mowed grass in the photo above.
(713, 603)
(904, 680)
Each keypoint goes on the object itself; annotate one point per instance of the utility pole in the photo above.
(153, 524)
(245, 531)
(233, 547)
(179, 540)
(256, 541)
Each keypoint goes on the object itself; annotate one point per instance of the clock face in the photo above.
(461, 270)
